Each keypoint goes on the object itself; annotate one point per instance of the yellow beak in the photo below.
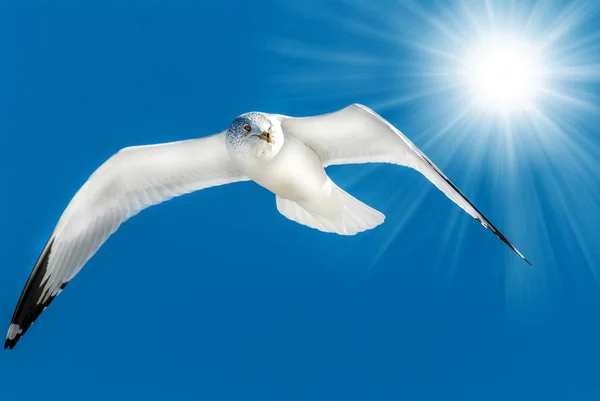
(265, 136)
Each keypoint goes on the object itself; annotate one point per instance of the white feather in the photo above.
(130, 181)
(356, 134)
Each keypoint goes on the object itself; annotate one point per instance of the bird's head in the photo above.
(254, 135)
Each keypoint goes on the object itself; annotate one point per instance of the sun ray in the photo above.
(535, 143)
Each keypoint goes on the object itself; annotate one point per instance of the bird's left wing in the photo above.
(356, 134)
(133, 179)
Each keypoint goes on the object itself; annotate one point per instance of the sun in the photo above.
(505, 94)
(503, 73)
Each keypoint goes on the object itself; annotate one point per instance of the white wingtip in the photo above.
(13, 331)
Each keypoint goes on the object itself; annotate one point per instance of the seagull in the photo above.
(286, 155)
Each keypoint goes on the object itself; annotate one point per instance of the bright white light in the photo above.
(505, 92)
(503, 73)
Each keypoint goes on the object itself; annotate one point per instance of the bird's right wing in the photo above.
(356, 134)
(133, 179)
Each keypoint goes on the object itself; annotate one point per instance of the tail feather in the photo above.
(350, 217)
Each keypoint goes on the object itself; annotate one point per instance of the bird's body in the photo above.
(295, 173)
(285, 155)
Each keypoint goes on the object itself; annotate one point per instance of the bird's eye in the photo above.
(247, 128)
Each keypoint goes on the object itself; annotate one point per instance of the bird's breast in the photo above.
(295, 173)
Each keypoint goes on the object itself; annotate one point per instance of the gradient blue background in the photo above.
(215, 295)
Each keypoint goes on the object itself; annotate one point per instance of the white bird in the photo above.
(283, 154)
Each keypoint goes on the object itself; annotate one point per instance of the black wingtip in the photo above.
(29, 308)
(483, 220)
(526, 260)
(487, 224)
(510, 245)
(516, 251)
(10, 344)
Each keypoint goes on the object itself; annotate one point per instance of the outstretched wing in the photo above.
(133, 179)
(356, 134)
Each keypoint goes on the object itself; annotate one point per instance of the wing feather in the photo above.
(130, 181)
(356, 134)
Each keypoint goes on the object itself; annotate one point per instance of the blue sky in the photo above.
(181, 303)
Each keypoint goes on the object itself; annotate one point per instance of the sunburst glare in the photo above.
(502, 95)
(503, 73)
